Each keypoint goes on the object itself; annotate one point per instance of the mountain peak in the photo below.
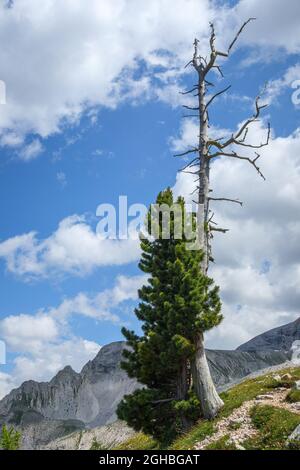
(279, 338)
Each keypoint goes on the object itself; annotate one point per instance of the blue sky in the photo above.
(84, 124)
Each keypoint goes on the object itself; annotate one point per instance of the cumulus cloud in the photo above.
(276, 26)
(69, 58)
(44, 343)
(6, 384)
(27, 332)
(257, 261)
(31, 151)
(100, 306)
(291, 79)
(73, 248)
(43, 364)
(61, 59)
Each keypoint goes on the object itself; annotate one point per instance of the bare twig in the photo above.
(218, 229)
(187, 152)
(215, 96)
(237, 201)
(238, 34)
(241, 157)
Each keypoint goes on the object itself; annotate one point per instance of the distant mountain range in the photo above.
(280, 338)
(74, 401)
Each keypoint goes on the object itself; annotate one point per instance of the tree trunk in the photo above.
(203, 384)
(204, 387)
(183, 385)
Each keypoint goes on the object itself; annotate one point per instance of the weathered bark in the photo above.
(204, 387)
(208, 149)
(203, 384)
(183, 385)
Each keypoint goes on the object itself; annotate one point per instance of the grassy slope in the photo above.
(273, 424)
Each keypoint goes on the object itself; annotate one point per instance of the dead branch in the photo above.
(218, 229)
(235, 138)
(188, 91)
(187, 152)
(238, 34)
(215, 96)
(237, 201)
(241, 157)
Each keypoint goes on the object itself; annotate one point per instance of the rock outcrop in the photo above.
(231, 366)
(70, 401)
(103, 437)
(280, 338)
(74, 401)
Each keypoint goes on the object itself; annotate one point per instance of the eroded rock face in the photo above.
(74, 401)
(88, 398)
(280, 338)
(230, 366)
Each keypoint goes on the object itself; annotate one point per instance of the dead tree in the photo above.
(203, 155)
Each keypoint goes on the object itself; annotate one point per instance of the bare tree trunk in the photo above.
(204, 387)
(207, 150)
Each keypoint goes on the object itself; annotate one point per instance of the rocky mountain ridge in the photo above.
(281, 338)
(74, 401)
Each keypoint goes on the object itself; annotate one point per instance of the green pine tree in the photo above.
(178, 303)
(9, 439)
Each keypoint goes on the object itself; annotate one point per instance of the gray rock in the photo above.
(296, 385)
(70, 401)
(231, 366)
(74, 401)
(264, 397)
(295, 436)
(239, 447)
(106, 437)
(280, 338)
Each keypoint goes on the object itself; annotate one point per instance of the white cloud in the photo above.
(257, 263)
(31, 151)
(61, 178)
(73, 248)
(100, 305)
(188, 135)
(43, 342)
(27, 332)
(43, 364)
(61, 59)
(276, 87)
(6, 384)
(54, 357)
(276, 26)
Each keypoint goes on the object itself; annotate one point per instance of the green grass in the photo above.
(274, 426)
(195, 434)
(221, 444)
(293, 396)
(96, 445)
(233, 399)
(138, 441)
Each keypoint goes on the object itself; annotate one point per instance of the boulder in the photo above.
(265, 396)
(296, 385)
(286, 377)
(295, 436)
